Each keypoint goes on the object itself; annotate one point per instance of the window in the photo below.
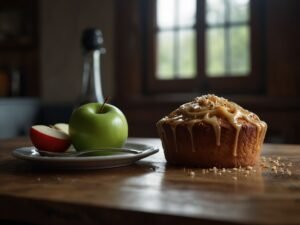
(227, 38)
(204, 45)
(176, 39)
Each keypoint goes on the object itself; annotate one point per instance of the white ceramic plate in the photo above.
(86, 162)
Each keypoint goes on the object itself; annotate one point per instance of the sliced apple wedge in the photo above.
(49, 138)
(64, 127)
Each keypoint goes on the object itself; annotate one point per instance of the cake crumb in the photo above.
(215, 169)
(267, 164)
(249, 168)
(281, 170)
(192, 173)
(276, 162)
(274, 168)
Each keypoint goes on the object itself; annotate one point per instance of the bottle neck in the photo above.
(91, 79)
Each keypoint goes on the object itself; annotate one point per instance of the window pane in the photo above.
(165, 55)
(239, 49)
(165, 13)
(187, 54)
(215, 52)
(187, 12)
(215, 12)
(239, 10)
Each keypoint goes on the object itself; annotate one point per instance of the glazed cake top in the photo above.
(208, 106)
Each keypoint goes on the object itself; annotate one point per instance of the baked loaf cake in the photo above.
(211, 131)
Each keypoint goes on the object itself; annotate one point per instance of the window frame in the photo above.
(253, 83)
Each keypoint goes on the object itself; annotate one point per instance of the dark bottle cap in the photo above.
(91, 39)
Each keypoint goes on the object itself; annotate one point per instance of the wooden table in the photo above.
(151, 192)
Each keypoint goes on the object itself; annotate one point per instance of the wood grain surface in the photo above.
(151, 192)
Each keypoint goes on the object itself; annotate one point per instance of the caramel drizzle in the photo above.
(208, 109)
(190, 129)
(175, 137)
(215, 124)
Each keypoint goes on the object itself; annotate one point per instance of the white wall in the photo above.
(61, 24)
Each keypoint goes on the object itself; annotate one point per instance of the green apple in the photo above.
(92, 126)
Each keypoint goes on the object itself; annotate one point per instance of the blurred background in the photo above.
(159, 54)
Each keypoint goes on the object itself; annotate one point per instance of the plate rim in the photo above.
(149, 150)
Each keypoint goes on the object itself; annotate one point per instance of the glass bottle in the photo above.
(91, 90)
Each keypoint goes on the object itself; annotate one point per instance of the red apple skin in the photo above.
(47, 143)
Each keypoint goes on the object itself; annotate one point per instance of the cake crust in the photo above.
(215, 141)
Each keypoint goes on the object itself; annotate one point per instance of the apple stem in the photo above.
(105, 101)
